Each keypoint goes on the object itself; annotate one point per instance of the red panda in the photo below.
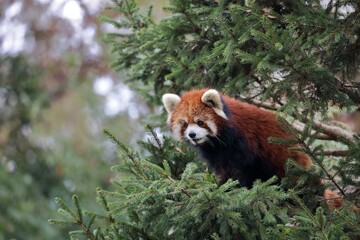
(232, 137)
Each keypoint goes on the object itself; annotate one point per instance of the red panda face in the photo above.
(195, 128)
(195, 116)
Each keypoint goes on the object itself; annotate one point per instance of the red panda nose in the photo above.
(192, 134)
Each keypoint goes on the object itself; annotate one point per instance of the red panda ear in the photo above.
(212, 99)
(170, 101)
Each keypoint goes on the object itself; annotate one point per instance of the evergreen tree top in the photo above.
(298, 50)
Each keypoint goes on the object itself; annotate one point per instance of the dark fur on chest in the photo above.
(229, 156)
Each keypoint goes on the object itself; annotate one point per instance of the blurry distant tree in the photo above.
(50, 54)
(27, 179)
(60, 36)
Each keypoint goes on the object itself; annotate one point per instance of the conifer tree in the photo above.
(298, 58)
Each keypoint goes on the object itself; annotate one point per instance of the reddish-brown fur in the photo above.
(256, 122)
(255, 125)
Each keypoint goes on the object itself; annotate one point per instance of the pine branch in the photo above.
(108, 212)
(161, 172)
(334, 133)
(266, 105)
(329, 176)
(339, 134)
(197, 29)
(336, 153)
(105, 205)
(157, 169)
(153, 133)
(127, 152)
(227, 28)
(299, 127)
(312, 153)
(315, 158)
(355, 225)
(310, 215)
(76, 218)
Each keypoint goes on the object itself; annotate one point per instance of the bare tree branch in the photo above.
(333, 132)
(338, 133)
(336, 153)
(299, 127)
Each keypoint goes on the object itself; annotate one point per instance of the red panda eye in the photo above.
(185, 124)
(200, 123)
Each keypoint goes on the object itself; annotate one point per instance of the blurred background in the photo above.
(57, 93)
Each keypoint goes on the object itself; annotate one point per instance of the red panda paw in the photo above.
(333, 199)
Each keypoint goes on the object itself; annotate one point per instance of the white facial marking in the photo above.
(199, 134)
(177, 126)
(176, 129)
(183, 121)
(212, 127)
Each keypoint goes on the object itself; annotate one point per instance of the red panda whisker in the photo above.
(221, 141)
(209, 141)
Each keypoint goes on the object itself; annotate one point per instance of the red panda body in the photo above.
(231, 136)
(237, 147)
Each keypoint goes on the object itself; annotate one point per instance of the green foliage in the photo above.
(243, 48)
(297, 55)
(34, 168)
(319, 225)
(27, 178)
(151, 202)
(349, 168)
